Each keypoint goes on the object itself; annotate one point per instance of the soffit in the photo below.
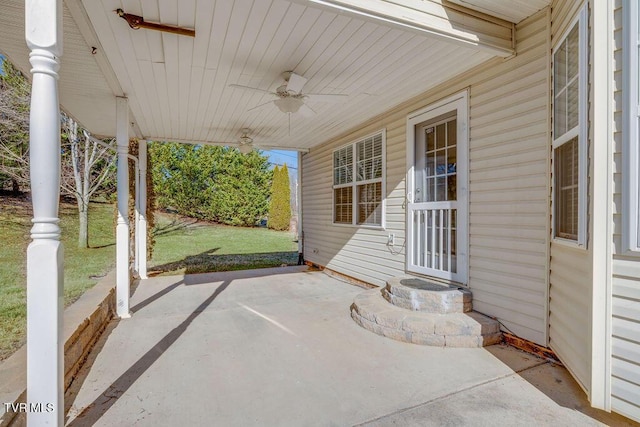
(179, 87)
(510, 10)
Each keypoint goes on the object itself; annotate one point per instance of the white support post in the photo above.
(45, 359)
(142, 224)
(136, 215)
(122, 227)
(299, 203)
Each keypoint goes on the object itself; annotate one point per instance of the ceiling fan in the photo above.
(291, 99)
(244, 143)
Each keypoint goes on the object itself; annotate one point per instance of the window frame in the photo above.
(630, 127)
(580, 131)
(354, 184)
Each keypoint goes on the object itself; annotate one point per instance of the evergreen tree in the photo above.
(280, 203)
(211, 183)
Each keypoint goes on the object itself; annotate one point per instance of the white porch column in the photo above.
(45, 361)
(122, 228)
(136, 213)
(299, 203)
(142, 222)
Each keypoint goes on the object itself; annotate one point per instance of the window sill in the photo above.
(569, 243)
(368, 227)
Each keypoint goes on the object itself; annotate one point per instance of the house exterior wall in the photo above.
(625, 360)
(570, 267)
(508, 188)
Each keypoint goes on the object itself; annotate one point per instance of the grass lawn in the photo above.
(83, 267)
(183, 245)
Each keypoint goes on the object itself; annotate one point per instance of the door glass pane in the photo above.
(452, 131)
(452, 160)
(441, 187)
(441, 158)
(430, 193)
(431, 164)
(430, 135)
(451, 187)
(441, 135)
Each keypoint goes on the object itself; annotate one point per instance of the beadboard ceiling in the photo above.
(511, 10)
(179, 87)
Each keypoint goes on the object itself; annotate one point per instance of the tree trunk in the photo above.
(83, 230)
(15, 187)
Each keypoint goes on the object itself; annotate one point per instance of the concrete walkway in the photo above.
(277, 347)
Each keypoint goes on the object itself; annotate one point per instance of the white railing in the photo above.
(434, 238)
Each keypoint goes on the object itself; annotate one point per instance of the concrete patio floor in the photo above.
(277, 347)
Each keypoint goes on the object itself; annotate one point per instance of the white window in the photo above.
(570, 134)
(358, 182)
(631, 126)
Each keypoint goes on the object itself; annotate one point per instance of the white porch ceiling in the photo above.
(85, 92)
(511, 10)
(178, 86)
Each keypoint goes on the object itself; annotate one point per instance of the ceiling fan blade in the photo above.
(260, 105)
(306, 111)
(327, 97)
(295, 83)
(253, 88)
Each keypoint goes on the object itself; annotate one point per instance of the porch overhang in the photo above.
(452, 21)
(179, 88)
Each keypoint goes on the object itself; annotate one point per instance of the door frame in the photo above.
(460, 104)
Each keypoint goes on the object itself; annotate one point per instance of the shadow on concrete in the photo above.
(142, 304)
(74, 388)
(555, 382)
(110, 396)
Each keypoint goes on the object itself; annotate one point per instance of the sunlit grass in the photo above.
(184, 245)
(83, 267)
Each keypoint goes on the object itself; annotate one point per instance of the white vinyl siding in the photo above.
(625, 340)
(509, 206)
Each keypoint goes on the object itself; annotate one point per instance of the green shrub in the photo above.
(280, 203)
(211, 183)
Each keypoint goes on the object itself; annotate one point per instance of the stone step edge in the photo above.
(371, 311)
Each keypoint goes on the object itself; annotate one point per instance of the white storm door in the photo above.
(437, 196)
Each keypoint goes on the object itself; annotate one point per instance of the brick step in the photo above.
(416, 294)
(371, 311)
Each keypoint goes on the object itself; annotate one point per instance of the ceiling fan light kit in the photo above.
(245, 148)
(289, 104)
(291, 98)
